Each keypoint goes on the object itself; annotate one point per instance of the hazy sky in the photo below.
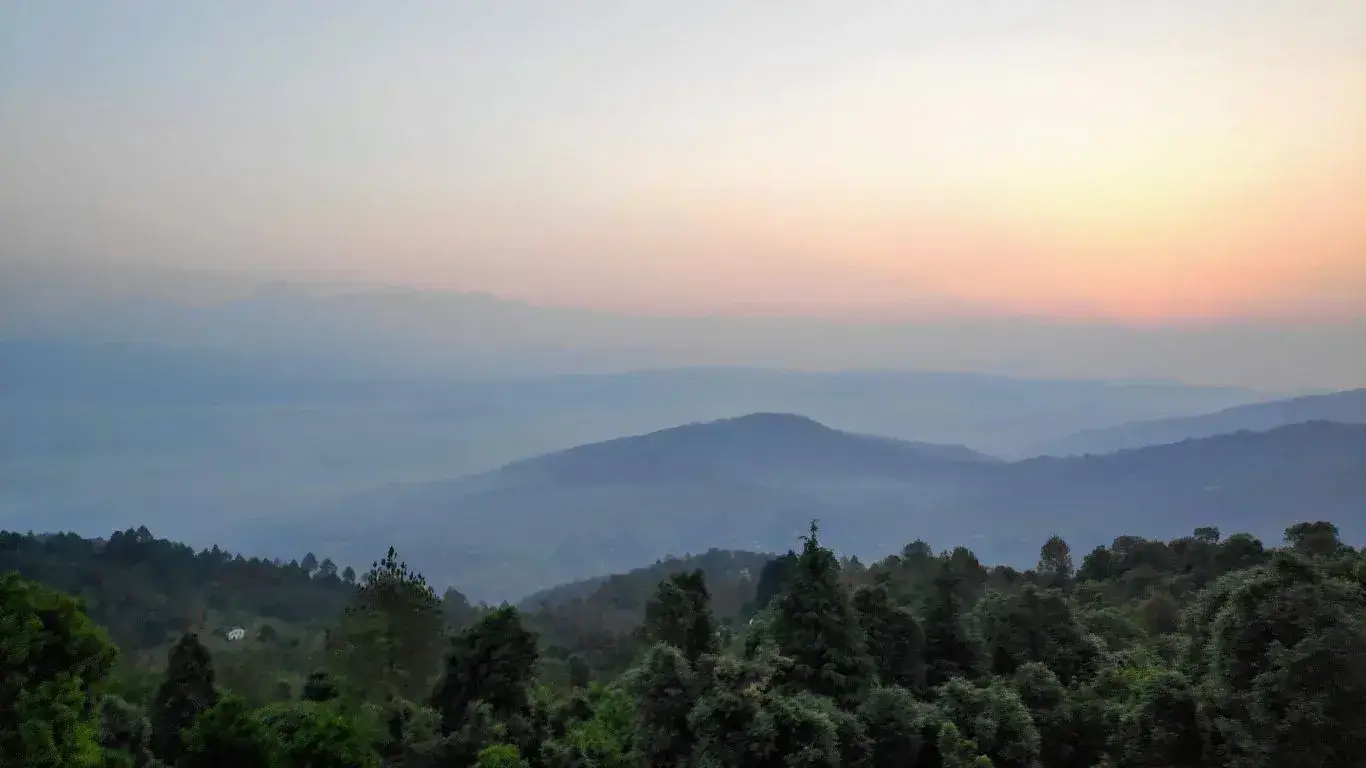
(1139, 159)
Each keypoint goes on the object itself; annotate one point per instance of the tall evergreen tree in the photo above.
(896, 643)
(814, 626)
(391, 633)
(493, 662)
(773, 580)
(680, 615)
(187, 691)
(665, 691)
(950, 650)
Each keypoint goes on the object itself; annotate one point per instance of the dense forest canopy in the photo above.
(1208, 650)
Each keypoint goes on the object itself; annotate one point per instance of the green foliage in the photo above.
(1055, 563)
(51, 655)
(493, 662)
(391, 634)
(1033, 626)
(896, 643)
(147, 592)
(229, 735)
(958, 752)
(995, 718)
(951, 650)
(895, 723)
(815, 628)
(500, 756)
(602, 740)
(919, 660)
(320, 736)
(125, 733)
(680, 615)
(319, 687)
(186, 692)
(665, 691)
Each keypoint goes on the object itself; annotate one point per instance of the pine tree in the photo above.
(680, 615)
(187, 691)
(896, 643)
(665, 692)
(949, 650)
(391, 633)
(814, 627)
(492, 661)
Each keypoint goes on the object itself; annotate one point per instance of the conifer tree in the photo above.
(187, 691)
(664, 688)
(680, 615)
(896, 643)
(493, 662)
(391, 633)
(949, 649)
(815, 628)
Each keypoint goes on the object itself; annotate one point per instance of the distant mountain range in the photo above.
(95, 436)
(410, 333)
(753, 483)
(1347, 407)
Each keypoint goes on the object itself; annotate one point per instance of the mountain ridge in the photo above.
(537, 524)
(1345, 406)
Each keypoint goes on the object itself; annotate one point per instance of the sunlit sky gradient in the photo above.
(1144, 160)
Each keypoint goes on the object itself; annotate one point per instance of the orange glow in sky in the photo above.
(1148, 162)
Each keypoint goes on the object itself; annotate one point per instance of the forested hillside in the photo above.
(1200, 652)
(752, 483)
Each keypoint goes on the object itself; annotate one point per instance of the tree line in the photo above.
(1198, 652)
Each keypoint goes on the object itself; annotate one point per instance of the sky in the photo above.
(1142, 162)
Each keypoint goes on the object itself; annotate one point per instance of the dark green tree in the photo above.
(327, 569)
(680, 615)
(895, 722)
(391, 633)
(229, 735)
(493, 662)
(319, 736)
(1055, 563)
(1282, 648)
(51, 655)
(1164, 726)
(187, 690)
(896, 643)
(665, 691)
(125, 733)
(1316, 539)
(814, 627)
(950, 649)
(580, 674)
(995, 718)
(1033, 625)
(319, 687)
(773, 580)
(1073, 732)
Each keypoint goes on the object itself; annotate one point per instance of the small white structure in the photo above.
(237, 633)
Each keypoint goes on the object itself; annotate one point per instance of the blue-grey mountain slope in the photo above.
(753, 483)
(1347, 407)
